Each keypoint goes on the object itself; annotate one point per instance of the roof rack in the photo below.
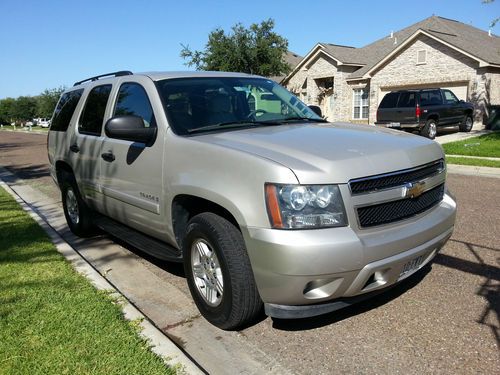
(114, 74)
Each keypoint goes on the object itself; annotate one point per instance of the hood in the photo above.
(331, 153)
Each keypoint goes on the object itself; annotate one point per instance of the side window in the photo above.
(133, 101)
(430, 97)
(390, 100)
(450, 97)
(64, 110)
(93, 114)
(407, 99)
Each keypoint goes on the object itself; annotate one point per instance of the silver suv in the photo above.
(265, 203)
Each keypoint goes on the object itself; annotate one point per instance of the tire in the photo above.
(218, 272)
(430, 129)
(466, 124)
(78, 214)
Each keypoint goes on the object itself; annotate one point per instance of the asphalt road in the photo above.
(445, 320)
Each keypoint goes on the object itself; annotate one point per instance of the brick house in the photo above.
(348, 83)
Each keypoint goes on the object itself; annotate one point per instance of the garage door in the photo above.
(458, 88)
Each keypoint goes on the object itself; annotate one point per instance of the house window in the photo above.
(360, 110)
(422, 56)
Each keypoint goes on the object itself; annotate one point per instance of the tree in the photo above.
(24, 108)
(495, 20)
(7, 110)
(256, 50)
(47, 101)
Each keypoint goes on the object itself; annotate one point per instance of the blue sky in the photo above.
(47, 44)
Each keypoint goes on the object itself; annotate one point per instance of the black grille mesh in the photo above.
(384, 182)
(398, 210)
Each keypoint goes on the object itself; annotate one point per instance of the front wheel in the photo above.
(219, 273)
(430, 129)
(466, 124)
(78, 214)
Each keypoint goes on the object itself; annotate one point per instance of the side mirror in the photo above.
(316, 110)
(130, 128)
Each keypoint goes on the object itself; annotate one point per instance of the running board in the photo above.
(143, 242)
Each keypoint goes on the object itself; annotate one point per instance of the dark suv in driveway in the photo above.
(424, 110)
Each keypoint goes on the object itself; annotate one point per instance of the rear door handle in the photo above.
(74, 148)
(108, 156)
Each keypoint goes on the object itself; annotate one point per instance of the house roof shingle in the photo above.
(291, 59)
(465, 37)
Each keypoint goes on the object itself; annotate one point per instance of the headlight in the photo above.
(305, 206)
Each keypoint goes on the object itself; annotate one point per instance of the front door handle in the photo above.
(108, 156)
(74, 148)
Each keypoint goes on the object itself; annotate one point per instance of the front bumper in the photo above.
(308, 268)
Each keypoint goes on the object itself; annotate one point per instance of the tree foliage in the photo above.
(26, 108)
(495, 20)
(256, 50)
(47, 101)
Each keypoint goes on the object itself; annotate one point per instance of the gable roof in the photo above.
(467, 39)
(473, 41)
(291, 59)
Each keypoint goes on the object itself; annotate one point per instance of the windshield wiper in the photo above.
(233, 124)
(297, 118)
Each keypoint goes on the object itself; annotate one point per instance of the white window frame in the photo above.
(424, 61)
(362, 104)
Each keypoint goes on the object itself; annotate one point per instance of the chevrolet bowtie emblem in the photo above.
(413, 189)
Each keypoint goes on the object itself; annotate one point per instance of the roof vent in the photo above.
(395, 40)
(392, 34)
(489, 32)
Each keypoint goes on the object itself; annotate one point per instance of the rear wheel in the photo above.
(78, 214)
(218, 272)
(466, 124)
(430, 129)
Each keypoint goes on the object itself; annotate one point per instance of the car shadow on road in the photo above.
(490, 288)
(353, 310)
(29, 172)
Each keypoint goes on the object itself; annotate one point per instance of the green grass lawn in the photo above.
(484, 145)
(52, 320)
(473, 161)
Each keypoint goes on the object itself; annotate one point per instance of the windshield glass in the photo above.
(204, 104)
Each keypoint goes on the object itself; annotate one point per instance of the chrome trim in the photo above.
(395, 174)
(393, 194)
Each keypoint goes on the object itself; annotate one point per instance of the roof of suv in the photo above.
(157, 76)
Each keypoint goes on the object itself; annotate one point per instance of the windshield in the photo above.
(195, 105)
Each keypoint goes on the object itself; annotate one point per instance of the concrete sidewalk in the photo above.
(155, 289)
(471, 170)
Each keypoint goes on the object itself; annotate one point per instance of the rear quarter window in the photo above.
(406, 100)
(65, 109)
(390, 100)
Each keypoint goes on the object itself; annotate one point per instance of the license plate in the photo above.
(393, 125)
(411, 266)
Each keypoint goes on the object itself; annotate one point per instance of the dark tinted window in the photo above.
(406, 99)
(430, 97)
(64, 110)
(133, 101)
(390, 100)
(93, 114)
(450, 97)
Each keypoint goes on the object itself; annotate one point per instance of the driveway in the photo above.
(445, 320)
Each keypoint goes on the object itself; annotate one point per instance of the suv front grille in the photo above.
(390, 212)
(385, 181)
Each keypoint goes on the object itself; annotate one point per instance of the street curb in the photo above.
(160, 344)
(471, 170)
